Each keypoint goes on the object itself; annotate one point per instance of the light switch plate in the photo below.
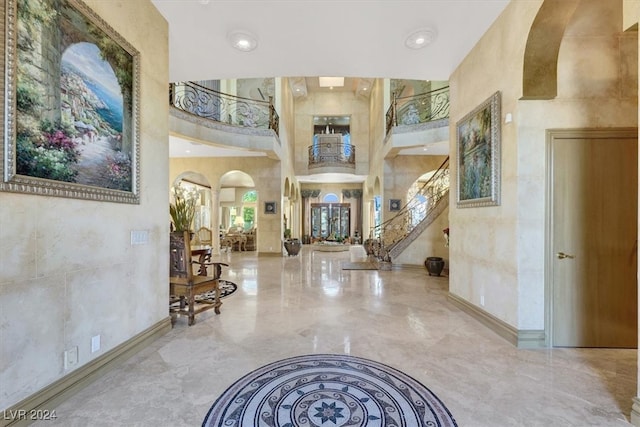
(139, 237)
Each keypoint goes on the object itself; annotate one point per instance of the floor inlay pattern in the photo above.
(328, 390)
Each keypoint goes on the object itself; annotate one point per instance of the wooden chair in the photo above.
(184, 285)
(204, 236)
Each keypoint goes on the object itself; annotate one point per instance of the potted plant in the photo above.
(183, 209)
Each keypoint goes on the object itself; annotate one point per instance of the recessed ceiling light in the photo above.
(421, 38)
(242, 40)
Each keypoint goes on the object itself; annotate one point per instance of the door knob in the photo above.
(562, 255)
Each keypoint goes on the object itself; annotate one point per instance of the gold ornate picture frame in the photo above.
(478, 155)
(72, 114)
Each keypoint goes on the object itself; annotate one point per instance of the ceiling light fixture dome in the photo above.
(242, 40)
(421, 38)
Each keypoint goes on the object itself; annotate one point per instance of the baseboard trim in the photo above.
(408, 267)
(52, 395)
(635, 412)
(526, 339)
(271, 254)
(532, 338)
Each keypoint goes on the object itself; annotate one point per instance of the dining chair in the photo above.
(184, 285)
(205, 236)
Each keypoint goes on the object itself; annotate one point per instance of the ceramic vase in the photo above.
(434, 265)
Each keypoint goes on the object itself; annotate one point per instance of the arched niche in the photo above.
(286, 191)
(540, 68)
(236, 210)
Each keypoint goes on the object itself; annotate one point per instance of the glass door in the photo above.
(330, 221)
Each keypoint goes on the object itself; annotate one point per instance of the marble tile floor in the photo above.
(290, 306)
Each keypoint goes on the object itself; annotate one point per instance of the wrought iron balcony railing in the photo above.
(416, 109)
(221, 107)
(331, 154)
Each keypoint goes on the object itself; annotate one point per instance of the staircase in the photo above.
(393, 236)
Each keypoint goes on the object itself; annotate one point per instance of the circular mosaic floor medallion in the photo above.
(328, 390)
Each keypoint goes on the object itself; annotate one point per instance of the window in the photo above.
(330, 198)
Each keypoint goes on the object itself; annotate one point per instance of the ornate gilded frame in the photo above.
(73, 20)
(478, 155)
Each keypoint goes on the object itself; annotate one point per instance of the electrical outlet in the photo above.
(95, 343)
(71, 358)
(482, 300)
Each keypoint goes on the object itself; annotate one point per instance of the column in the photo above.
(306, 210)
(215, 221)
(356, 194)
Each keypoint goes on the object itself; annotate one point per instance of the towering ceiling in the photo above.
(350, 38)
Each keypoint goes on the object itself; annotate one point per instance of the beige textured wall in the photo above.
(377, 110)
(399, 175)
(631, 10)
(484, 253)
(292, 204)
(67, 269)
(326, 104)
(266, 177)
(501, 256)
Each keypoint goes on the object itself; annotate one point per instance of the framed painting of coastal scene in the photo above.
(71, 116)
(478, 155)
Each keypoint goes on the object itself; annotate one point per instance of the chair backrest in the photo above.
(180, 255)
(205, 236)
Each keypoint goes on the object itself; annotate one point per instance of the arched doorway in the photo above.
(238, 219)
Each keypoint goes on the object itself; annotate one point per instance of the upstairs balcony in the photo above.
(209, 115)
(418, 123)
(413, 124)
(332, 153)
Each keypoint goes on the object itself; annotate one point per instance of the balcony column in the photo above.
(355, 194)
(306, 209)
(358, 195)
(215, 222)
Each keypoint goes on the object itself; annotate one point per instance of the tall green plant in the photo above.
(183, 209)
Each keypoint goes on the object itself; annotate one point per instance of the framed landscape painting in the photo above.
(478, 154)
(71, 116)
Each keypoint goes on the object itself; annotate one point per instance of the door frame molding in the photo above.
(553, 135)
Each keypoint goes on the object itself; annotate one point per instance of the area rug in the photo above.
(364, 265)
(226, 289)
(323, 390)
